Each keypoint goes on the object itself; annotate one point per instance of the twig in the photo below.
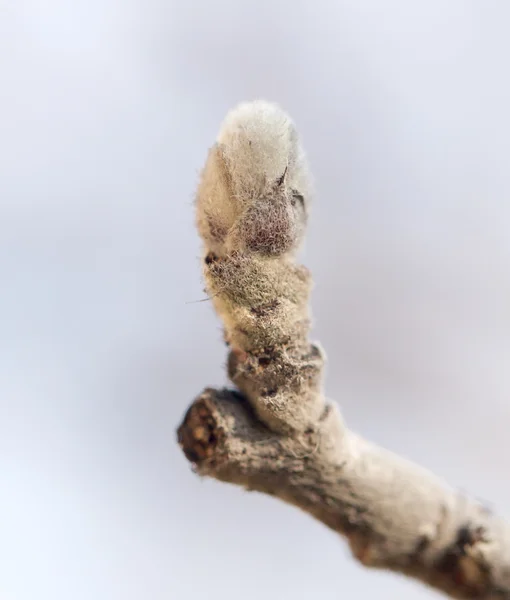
(277, 434)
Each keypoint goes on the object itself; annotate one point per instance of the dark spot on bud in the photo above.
(468, 537)
(264, 309)
(297, 197)
(269, 393)
(281, 179)
(314, 352)
(210, 258)
(421, 545)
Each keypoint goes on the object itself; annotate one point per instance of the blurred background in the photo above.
(107, 109)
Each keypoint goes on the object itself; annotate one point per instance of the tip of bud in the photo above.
(254, 189)
(260, 143)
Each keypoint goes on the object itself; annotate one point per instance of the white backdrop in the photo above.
(107, 108)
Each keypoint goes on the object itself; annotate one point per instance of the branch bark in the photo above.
(275, 433)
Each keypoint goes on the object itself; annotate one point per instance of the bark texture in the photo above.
(275, 433)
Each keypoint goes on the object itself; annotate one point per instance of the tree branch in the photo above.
(276, 434)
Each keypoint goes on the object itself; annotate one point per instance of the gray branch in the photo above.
(276, 434)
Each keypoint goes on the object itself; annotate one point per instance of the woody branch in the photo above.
(275, 433)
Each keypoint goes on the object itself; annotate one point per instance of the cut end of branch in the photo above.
(200, 436)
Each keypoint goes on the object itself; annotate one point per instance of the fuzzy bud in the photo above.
(254, 190)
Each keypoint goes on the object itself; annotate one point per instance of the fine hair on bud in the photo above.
(254, 190)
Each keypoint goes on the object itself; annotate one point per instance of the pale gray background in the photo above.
(107, 108)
